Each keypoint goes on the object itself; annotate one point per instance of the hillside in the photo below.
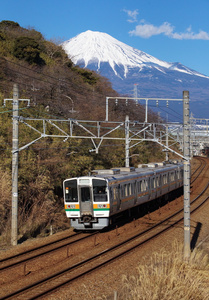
(46, 75)
(57, 89)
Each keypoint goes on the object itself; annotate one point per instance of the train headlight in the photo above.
(72, 206)
(102, 206)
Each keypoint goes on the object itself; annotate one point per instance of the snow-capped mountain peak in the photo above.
(92, 47)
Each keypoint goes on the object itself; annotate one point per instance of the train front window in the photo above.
(99, 190)
(71, 191)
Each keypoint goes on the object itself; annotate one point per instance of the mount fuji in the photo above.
(126, 66)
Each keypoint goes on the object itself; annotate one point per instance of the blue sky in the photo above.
(170, 30)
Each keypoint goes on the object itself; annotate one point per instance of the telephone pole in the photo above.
(15, 155)
(186, 143)
(127, 141)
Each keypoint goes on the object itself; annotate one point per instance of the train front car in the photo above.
(87, 202)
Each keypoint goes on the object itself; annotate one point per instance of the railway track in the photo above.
(198, 170)
(21, 259)
(53, 282)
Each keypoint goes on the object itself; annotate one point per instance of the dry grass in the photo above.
(168, 277)
(5, 203)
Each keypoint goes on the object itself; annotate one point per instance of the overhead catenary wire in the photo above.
(57, 79)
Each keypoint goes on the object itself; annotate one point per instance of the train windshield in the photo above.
(99, 190)
(71, 192)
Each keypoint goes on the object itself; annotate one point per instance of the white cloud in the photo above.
(148, 30)
(132, 15)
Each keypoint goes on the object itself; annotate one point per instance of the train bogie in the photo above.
(96, 224)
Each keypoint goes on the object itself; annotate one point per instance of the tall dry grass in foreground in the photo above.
(166, 276)
(5, 202)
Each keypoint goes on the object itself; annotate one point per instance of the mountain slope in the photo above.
(124, 66)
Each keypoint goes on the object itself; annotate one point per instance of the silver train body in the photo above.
(91, 202)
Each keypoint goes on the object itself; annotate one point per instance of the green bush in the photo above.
(8, 24)
(28, 49)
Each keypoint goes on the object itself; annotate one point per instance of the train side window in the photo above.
(99, 190)
(164, 179)
(114, 194)
(129, 189)
(157, 181)
(145, 185)
(122, 191)
(139, 186)
(142, 185)
(126, 190)
(148, 183)
(111, 194)
(177, 174)
(132, 188)
(172, 176)
(71, 191)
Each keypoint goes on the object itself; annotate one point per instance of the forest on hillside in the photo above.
(57, 90)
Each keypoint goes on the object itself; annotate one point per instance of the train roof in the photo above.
(142, 170)
(124, 173)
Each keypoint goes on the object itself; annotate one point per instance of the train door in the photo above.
(152, 187)
(85, 199)
(135, 191)
(118, 197)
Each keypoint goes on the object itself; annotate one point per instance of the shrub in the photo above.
(8, 24)
(28, 49)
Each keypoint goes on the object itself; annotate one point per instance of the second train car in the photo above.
(91, 202)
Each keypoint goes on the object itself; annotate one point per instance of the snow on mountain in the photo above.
(92, 47)
(126, 66)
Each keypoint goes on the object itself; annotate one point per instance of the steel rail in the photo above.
(34, 256)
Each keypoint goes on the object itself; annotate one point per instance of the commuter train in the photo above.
(92, 202)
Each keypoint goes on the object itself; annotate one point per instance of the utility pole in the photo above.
(15, 155)
(186, 151)
(166, 152)
(127, 140)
